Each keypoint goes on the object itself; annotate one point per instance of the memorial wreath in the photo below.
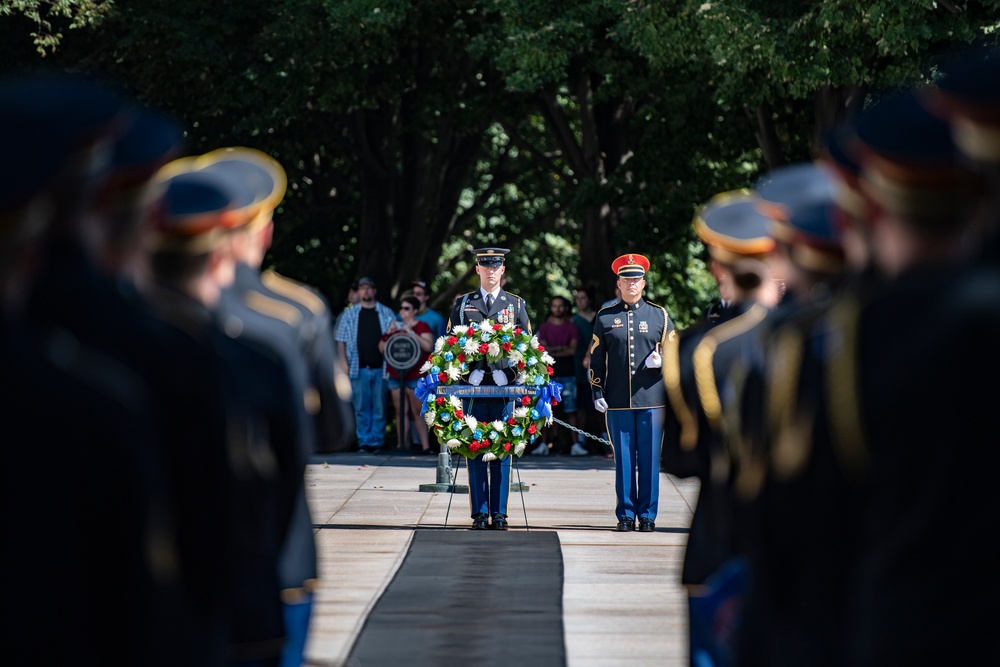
(454, 355)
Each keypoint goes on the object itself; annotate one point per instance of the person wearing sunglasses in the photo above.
(408, 322)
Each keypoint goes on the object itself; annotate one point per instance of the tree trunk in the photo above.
(767, 137)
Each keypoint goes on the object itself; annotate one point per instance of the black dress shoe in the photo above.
(625, 525)
(499, 522)
(480, 522)
(646, 525)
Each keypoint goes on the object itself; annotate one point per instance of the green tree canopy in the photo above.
(570, 132)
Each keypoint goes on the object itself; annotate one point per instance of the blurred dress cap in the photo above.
(968, 97)
(261, 174)
(195, 211)
(53, 124)
(733, 227)
(783, 189)
(909, 163)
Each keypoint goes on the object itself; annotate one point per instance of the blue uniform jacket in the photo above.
(624, 336)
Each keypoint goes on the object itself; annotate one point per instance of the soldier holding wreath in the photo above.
(489, 481)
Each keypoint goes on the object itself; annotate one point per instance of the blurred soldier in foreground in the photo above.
(191, 266)
(79, 394)
(250, 311)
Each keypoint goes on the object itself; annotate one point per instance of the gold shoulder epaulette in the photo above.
(672, 381)
(846, 426)
(704, 354)
(790, 446)
(273, 308)
(293, 290)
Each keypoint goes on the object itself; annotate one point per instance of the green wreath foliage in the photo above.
(454, 355)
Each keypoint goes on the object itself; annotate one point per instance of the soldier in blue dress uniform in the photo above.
(625, 379)
(736, 235)
(489, 483)
(263, 440)
(249, 309)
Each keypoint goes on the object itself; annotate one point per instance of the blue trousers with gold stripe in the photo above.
(489, 483)
(637, 436)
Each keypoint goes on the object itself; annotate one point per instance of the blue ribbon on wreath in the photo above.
(425, 387)
(545, 396)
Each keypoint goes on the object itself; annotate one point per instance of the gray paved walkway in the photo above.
(622, 604)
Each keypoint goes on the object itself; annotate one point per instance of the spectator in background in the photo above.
(409, 323)
(359, 330)
(425, 313)
(353, 296)
(561, 337)
(586, 414)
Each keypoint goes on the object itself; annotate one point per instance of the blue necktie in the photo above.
(489, 303)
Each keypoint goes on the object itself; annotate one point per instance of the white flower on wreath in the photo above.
(471, 346)
(460, 330)
(494, 349)
(497, 425)
(514, 357)
(521, 378)
(454, 444)
(519, 448)
(548, 359)
(489, 456)
(534, 342)
(471, 422)
(429, 417)
(439, 345)
(454, 372)
(520, 412)
(455, 401)
(427, 366)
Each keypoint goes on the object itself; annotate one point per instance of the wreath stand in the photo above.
(447, 471)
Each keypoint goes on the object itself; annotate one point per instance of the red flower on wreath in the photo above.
(443, 377)
(541, 348)
(452, 340)
(459, 414)
(520, 365)
(550, 370)
(507, 346)
(554, 401)
(506, 446)
(439, 400)
(461, 357)
(517, 331)
(511, 421)
(525, 400)
(484, 348)
(532, 429)
(497, 326)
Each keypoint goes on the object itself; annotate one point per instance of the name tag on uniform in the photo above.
(643, 327)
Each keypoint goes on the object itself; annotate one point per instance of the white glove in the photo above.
(654, 360)
(476, 377)
(601, 405)
(500, 378)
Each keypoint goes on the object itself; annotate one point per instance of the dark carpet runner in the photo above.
(480, 598)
